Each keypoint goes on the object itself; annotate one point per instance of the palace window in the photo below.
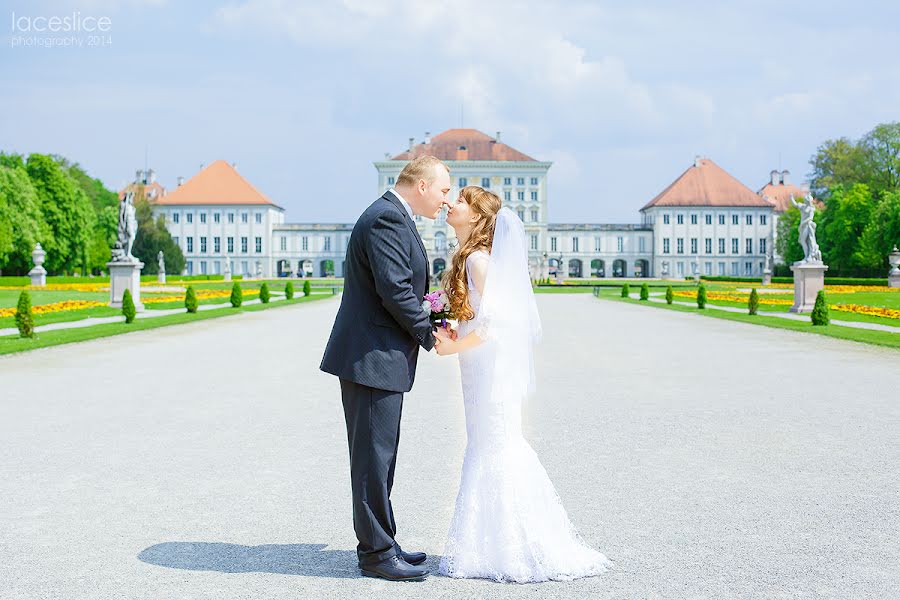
(244, 244)
(722, 222)
(507, 195)
(680, 242)
(305, 243)
(244, 217)
(486, 182)
(463, 182)
(217, 218)
(553, 244)
(722, 247)
(283, 243)
(734, 247)
(665, 219)
(707, 246)
(258, 245)
(534, 196)
(217, 245)
(520, 181)
(679, 218)
(175, 217)
(762, 219)
(748, 245)
(521, 196)
(534, 241)
(507, 181)
(203, 217)
(693, 219)
(258, 217)
(709, 222)
(190, 217)
(534, 181)
(762, 245)
(665, 245)
(749, 219)
(231, 217)
(693, 245)
(230, 245)
(534, 214)
(574, 244)
(190, 244)
(735, 221)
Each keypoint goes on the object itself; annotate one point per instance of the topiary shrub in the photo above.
(753, 303)
(670, 295)
(645, 292)
(128, 306)
(701, 296)
(237, 295)
(625, 291)
(24, 316)
(820, 310)
(289, 290)
(190, 300)
(307, 289)
(264, 293)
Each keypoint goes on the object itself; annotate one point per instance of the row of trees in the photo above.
(858, 185)
(45, 198)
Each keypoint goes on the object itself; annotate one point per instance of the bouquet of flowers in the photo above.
(437, 305)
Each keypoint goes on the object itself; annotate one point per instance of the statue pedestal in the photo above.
(125, 276)
(809, 278)
(767, 277)
(160, 278)
(38, 276)
(894, 280)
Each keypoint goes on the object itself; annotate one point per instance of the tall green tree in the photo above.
(873, 160)
(881, 233)
(152, 236)
(66, 210)
(21, 223)
(845, 218)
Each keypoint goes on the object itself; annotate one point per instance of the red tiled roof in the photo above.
(707, 184)
(151, 190)
(219, 183)
(464, 144)
(780, 194)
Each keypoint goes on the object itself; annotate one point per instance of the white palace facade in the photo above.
(705, 222)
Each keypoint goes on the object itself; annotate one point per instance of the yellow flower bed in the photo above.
(55, 307)
(201, 295)
(734, 297)
(861, 309)
(61, 287)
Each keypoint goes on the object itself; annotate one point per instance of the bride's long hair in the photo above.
(486, 205)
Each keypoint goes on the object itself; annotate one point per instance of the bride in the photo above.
(509, 524)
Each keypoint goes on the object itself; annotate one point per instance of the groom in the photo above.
(373, 349)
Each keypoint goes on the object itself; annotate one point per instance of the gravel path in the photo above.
(707, 458)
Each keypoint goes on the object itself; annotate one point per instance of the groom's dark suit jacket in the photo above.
(380, 324)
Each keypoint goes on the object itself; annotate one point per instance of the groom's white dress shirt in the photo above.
(403, 202)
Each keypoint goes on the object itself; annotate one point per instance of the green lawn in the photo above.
(11, 344)
(880, 338)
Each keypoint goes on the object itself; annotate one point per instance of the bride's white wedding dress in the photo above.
(509, 524)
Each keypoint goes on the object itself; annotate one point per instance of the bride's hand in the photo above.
(444, 343)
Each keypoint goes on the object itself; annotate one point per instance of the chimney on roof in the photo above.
(462, 153)
(498, 136)
(774, 177)
(234, 166)
(785, 177)
(139, 176)
(151, 176)
(411, 143)
(201, 166)
(697, 159)
(387, 156)
(180, 180)
(427, 137)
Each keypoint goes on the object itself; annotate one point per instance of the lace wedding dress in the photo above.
(509, 524)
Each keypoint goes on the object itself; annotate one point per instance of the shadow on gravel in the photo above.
(285, 559)
(309, 560)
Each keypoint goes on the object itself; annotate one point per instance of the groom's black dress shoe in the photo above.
(413, 558)
(394, 569)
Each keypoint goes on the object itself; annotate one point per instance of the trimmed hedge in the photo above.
(828, 280)
(753, 303)
(701, 296)
(289, 290)
(670, 295)
(237, 295)
(819, 314)
(307, 289)
(190, 299)
(645, 292)
(625, 291)
(128, 306)
(264, 293)
(24, 315)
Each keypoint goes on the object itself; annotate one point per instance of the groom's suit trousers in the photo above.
(373, 434)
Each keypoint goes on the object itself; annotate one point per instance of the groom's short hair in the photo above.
(423, 167)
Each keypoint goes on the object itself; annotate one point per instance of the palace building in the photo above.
(705, 222)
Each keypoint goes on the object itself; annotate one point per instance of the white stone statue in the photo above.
(160, 259)
(128, 226)
(811, 252)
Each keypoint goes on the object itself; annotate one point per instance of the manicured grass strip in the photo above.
(866, 336)
(11, 344)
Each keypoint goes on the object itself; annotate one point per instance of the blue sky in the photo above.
(304, 96)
